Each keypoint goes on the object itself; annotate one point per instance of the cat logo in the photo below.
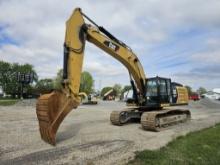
(111, 45)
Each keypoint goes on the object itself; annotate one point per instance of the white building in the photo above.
(128, 94)
(216, 90)
(214, 94)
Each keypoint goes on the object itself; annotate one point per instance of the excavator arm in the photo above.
(52, 108)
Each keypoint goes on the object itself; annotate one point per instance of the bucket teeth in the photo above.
(43, 109)
(47, 136)
(51, 109)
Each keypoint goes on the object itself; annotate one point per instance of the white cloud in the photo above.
(107, 70)
(207, 57)
(207, 76)
(211, 54)
(39, 27)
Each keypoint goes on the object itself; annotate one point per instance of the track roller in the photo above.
(156, 120)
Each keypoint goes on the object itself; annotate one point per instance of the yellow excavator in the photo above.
(149, 95)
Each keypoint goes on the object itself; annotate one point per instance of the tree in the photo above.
(8, 77)
(44, 86)
(189, 89)
(118, 89)
(5, 69)
(126, 88)
(86, 83)
(58, 80)
(104, 90)
(201, 90)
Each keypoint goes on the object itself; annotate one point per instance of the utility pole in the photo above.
(24, 78)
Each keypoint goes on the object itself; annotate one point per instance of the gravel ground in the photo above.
(26, 102)
(86, 135)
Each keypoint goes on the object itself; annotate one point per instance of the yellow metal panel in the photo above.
(183, 97)
(72, 40)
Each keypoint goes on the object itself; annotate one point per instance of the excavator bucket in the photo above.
(51, 110)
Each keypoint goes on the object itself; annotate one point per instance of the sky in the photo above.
(175, 39)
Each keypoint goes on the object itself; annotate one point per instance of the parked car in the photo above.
(194, 97)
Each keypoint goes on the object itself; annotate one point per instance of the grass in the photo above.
(8, 102)
(197, 148)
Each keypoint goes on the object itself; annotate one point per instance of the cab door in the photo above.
(164, 91)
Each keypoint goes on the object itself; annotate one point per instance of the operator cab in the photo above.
(158, 92)
(161, 92)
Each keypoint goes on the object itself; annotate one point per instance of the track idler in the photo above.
(124, 116)
(51, 110)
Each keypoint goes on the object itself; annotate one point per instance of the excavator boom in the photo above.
(52, 108)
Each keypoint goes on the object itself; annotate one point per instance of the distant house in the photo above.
(214, 94)
(109, 95)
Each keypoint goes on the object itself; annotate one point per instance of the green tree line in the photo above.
(8, 77)
(10, 85)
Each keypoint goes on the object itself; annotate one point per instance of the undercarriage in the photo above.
(153, 120)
